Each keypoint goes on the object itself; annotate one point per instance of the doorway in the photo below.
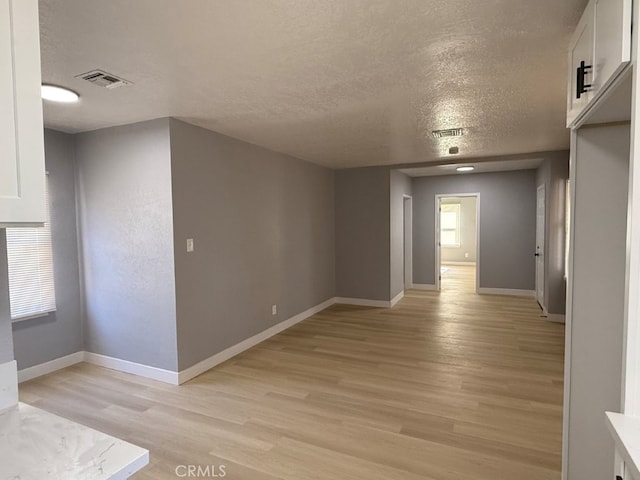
(457, 242)
(540, 247)
(407, 241)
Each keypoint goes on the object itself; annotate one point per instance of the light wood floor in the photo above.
(444, 386)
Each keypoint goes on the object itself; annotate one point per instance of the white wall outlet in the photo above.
(466, 255)
(189, 244)
(274, 309)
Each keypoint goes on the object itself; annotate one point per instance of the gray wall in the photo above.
(362, 233)
(60, 333)
(6, 340)
(600, 181)
(468, 227)
(400, 184)
(263, 230)
(124, 193)
(553, 174)
(507, 226)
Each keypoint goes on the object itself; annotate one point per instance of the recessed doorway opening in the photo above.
(457, 242)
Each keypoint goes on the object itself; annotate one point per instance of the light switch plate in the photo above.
(189, 244)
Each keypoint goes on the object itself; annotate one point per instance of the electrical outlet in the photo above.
(189, 245)
(466, 255)
(274, 309)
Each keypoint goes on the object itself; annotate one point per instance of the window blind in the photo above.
(30, 258)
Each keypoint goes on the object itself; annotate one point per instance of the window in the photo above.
(450, 225)
(31, 289)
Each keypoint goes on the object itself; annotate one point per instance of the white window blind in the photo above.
(450, 225)
(31, 289)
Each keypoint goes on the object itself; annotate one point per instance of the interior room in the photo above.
(299, 240)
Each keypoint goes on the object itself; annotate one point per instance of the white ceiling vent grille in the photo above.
(103, 79)
(450, 132)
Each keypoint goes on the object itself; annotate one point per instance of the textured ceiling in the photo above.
(336, 82)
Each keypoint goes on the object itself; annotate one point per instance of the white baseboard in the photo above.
(126, 366)
(363, 302)
(554, 317)
(396, 299)
(468, 264)
(424, 286)
(234, 350)
(507, 291)
(49, 367)
(8, 384)
(162, 375)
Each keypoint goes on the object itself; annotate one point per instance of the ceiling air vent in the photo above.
(103, 79)
(450, 132)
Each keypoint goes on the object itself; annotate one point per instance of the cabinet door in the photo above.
(21, 128)
(581, 50)
(612, 40)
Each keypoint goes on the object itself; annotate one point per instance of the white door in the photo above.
(539, 254)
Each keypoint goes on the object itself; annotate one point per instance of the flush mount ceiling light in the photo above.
(54, 93)
(465, 169)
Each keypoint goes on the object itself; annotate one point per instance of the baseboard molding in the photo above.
(49, 367)
(554, 317)
(507, 291)
(8, 384)
(234, 350)
(177, 378)
(363, 302)
(126, 366)
(424, 286)
(468, 264)
(396, 299)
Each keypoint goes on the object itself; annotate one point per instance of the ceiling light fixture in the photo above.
(59, 94)
(465, 169)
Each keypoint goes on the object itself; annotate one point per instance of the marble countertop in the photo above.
(37, 445)
(625, 431)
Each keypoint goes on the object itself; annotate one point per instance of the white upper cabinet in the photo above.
(612, 48)
(581, 64)
(22, 171)
(599, 51)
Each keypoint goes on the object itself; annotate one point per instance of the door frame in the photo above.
(407, 240)
(438, 198)
(543, 303)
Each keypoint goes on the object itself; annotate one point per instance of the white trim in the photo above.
(458, 263)
(566, 404)
(223, 356)
(162, 375)
(126, 366)
(8, 384)
(363, 302)
(555, 317)
(396, 299)
(49, 367)
(425, 286)
(507, 291)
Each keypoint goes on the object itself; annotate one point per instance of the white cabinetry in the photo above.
(600, 49)
(580, 64)
(22, 170)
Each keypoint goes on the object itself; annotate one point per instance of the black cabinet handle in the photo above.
(582, 87)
